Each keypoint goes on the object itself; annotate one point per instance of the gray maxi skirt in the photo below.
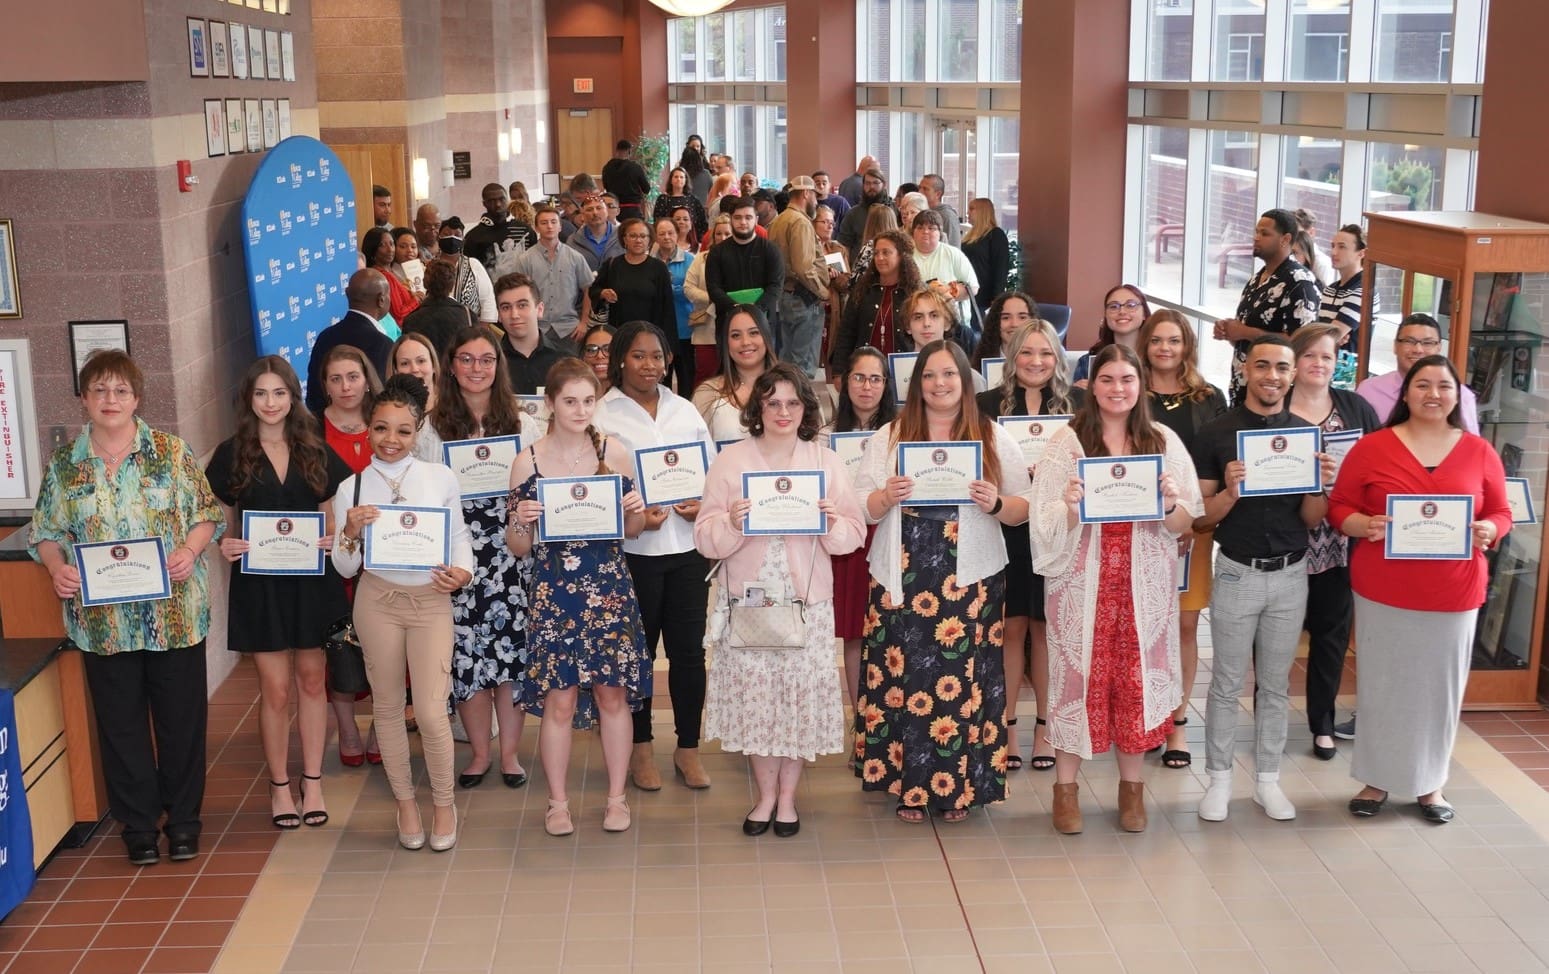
(1413, 667)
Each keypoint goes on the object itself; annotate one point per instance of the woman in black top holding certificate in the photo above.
(404, 615)
(1036, 383)
(277, 461)
(932, 708)
(584, 626)
(489, 616)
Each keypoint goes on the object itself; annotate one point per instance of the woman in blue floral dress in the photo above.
(489, 615)
(583, 622)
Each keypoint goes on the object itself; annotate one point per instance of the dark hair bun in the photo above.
(406, 389)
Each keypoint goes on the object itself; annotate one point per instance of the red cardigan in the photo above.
(1380, 464)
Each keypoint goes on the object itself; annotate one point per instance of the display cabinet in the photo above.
(1486, 280)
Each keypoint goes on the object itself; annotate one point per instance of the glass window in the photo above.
(1239, 41)
(1312, 182)
(1414, 41)
(715, 48)
(1006, 40)
(1170, 40)
(914, 40)
(774, 33)
(1164, 185)
(1320, 40)
(959, 39)
(1005, 153)
(683, 35)
(1231, 211)
(876, 29)
(1404, 177)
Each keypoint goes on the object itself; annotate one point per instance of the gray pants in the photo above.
(801, 330)
(1255, 617)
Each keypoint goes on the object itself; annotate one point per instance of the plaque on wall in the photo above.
(462, 165)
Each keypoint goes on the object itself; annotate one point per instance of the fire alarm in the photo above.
(185, 176)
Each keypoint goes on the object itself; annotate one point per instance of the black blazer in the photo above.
(356, 328)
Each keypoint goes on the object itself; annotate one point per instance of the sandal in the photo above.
(1176, 757)
(914, 816)
(955, 815)
(317, 817)
(1013, 757)
(1042, 762)
(283, 820)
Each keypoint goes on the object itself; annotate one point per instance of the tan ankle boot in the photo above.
(685, 761)
(642, 768)
(1067, 808)
(1132, 806)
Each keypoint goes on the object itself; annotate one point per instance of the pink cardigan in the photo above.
(717, 537)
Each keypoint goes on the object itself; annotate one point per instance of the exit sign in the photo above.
(582, 86)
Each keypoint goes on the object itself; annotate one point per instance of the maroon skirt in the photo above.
(852, 582)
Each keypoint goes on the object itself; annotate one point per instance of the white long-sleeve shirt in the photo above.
(424, 485)
(677, 421)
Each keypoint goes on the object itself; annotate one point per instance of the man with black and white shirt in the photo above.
(1279, 299)
(497, 231)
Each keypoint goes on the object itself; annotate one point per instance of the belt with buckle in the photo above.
(1268, 564)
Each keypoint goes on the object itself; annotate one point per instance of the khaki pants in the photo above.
(408, 630)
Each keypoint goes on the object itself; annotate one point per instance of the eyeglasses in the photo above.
(482, 361)
(785, 406)
(592, 351)
(110, 392)
(1129, 305)
(1425, 343)
(867, 380)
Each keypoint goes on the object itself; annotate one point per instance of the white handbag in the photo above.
(759, 627)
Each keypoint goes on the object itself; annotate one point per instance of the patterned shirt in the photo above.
(159, 491)
(1327, 547)
(1279, 302)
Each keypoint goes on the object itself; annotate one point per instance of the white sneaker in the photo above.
(459, 732)
(1216, 803)
(1268, 795)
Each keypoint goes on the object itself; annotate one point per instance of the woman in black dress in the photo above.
(278, 461)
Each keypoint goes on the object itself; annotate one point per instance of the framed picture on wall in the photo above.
(220, 50)
(271, 123)
(94, 336)
(253, 120)
(10, 297)
(255, 53)
(287, 56)
(236, 130)
(215, 127)
(239, 52)
(284, 119)
(272, 50)
(198, 48)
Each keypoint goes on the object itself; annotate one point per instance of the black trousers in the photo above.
(136, 695)
(673, 595)
(1329, 609)
(683, 365)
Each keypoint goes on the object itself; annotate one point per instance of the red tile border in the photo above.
(112, 961)
(178, 960)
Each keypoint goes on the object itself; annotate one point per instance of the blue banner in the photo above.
(300, 244)
(16, 874)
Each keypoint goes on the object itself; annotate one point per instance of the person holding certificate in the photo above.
(1114, 679)
(1181, 400)
(780, 707)
(746, 354)
(489, 617)
(121, 481)
(1327, 619)
(277, 462)
(867, 402)
(931, 713)
(1036, 384)
(668, 572)
(404, 615)
(1414, 617)
(583, 622)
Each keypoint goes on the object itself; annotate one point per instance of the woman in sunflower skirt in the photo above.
(930, 722)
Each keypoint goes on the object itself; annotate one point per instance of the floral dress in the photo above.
(489, 614)
(583, 622)
(930, 722)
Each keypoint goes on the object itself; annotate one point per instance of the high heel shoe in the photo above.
(373, 752)
(441, 843)
(351, 760)
(409, 840)
(283, 820)
(317, 817)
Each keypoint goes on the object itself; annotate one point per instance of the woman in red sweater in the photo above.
(1414, 619)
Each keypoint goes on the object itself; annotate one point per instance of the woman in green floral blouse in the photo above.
(145, 661)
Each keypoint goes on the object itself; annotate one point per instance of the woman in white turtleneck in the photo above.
(406, 623)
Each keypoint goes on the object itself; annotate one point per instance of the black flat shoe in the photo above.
(752, 826)
(181, 848)
(143, 852)
(1367, 807)
(787, 829)
(514, 780)
(1439, 812)
(1324, 753)
(466, 780)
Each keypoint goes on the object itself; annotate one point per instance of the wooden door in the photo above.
(585, 140)
(369, 164)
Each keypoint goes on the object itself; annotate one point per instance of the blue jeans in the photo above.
(800, 329)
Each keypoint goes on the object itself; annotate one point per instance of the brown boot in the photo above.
(685, 761)
(642, 768)
(1132, 806)
(1067, 809)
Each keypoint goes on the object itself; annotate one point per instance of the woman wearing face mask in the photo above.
(1036, 382)
(707, 358)
(874, 312)
(1124, 311)
(677, 260)
(404, 618)
(746, 355)
(472, 286)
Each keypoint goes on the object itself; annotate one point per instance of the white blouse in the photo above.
(424, 485)
(677, 421)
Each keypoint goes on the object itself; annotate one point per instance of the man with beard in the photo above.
(497, 231)
(382, 206)
(1277, 300)
(873, 190)
(744, 269)
(799, 336)
(851, 187)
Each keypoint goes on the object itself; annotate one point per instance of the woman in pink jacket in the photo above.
(779, 706)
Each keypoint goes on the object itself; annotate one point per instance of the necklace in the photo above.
(396, 486)
(110, 456)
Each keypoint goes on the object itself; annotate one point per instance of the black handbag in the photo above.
(341, 647)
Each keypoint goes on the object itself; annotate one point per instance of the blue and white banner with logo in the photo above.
(299, 241)
(16, 874)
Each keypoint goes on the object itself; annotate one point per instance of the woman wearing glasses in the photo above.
(1124, 311)
(595, 348)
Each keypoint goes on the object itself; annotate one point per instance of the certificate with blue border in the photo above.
(1185, 566)
(408, 539)
(941, 471)
(723, 444)
(1519, 495)
(536, 407)
(581, 508)
(482, 464)
(1120, 488)
(283, 542)
(1337, 445)
(901, 364)
(131, 570)
(993, 370)
(1033, 433)
(784, 501)
(1430, 526)
(850, 447)
(667, 475)
(1280, 461)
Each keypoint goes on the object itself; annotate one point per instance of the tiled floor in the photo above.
(856, 891)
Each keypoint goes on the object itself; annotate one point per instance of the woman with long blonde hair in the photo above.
(988, 249)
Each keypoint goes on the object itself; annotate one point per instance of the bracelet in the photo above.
(1000, 502)
(191, 552)
(348, 543)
